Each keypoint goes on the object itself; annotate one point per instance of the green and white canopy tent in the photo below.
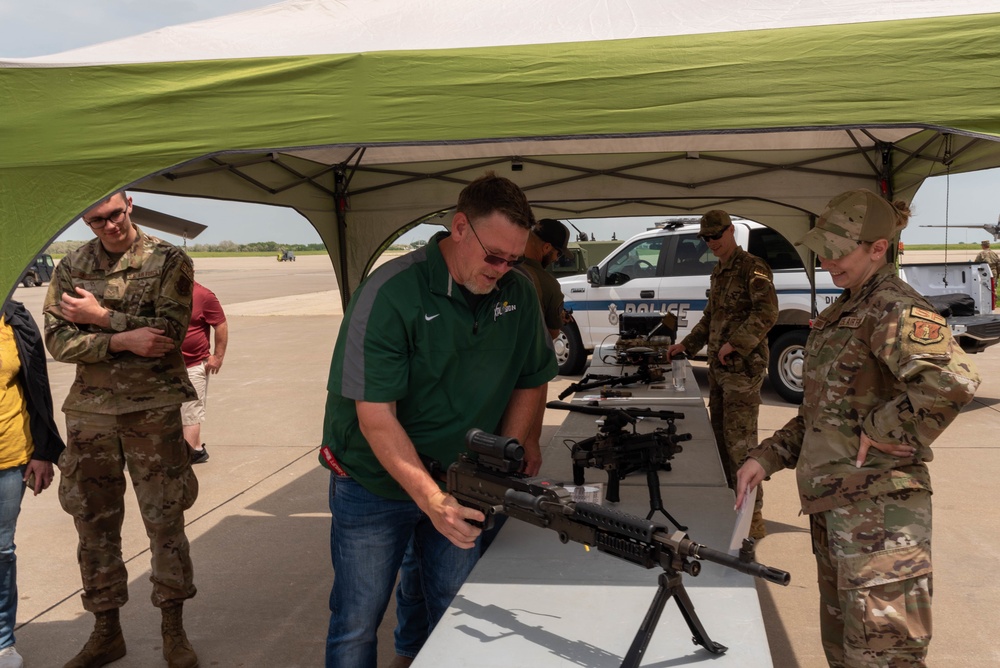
(368, 116)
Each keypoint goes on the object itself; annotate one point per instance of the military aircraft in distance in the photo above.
(992, 229)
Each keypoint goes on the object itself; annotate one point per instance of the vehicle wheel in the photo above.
(788, 358)
(570, 354)
(29, 281)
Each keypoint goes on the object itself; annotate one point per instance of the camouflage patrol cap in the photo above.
(852, 217)
(715, 222)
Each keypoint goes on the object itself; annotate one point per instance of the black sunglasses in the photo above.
(491, 259)
(713, 237)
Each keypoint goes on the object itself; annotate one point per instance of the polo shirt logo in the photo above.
(501, 308)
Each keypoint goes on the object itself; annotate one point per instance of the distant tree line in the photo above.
(253, 247)
(63, 247)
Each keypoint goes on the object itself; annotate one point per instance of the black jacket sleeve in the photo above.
(35, 381)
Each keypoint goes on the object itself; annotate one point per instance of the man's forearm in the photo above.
(221, 340)
(521, 411)
(395, 451)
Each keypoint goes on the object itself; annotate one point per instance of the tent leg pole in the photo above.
(340, 204)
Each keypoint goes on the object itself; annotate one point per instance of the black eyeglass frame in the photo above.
(491, 259)
(115, 218)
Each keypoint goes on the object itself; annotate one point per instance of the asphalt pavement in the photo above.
(259, 530)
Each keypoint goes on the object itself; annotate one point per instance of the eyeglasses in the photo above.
(713, 237)
(115, 219)
(491, 259)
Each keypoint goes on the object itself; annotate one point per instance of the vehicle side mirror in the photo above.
(594, 276)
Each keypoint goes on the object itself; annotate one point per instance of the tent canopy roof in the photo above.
(322, 27)
(629, 107)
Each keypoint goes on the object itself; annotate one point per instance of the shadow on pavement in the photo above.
(263, 586)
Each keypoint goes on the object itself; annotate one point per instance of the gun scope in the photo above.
(494, 447)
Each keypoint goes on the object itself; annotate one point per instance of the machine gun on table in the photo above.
(487, 485)
(621, 453)
(647, 372)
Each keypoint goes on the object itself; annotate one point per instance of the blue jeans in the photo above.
(11, 490)
(411, 607)
(369, 535)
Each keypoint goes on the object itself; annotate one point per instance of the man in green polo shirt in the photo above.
(433, 343)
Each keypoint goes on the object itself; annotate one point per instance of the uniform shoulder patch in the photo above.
(925, 333)
(760, 273)
(917, 312)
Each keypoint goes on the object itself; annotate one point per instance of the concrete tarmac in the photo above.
(259, 530)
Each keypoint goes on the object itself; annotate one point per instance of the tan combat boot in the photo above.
(176, 648)
(106, 642)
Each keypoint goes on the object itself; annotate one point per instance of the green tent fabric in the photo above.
(767, 123)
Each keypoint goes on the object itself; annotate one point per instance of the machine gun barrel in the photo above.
(630, 411)
(690, 548)
(605, 381)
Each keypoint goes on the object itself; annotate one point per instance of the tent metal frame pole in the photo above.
(340, 210)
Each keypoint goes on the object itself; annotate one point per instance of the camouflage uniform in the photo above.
(124, 410)
(992, 259)
(742, 307)
(883, 362)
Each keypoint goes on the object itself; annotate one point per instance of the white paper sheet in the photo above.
(743, 518)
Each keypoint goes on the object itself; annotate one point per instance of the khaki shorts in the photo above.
(193, 412)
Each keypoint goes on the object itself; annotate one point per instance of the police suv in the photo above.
(667, 270)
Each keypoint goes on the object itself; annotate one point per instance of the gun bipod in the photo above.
(669, 584)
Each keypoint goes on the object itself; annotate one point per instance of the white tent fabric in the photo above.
(316, 27)
(368, 116)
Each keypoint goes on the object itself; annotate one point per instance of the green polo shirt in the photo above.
(410, 337)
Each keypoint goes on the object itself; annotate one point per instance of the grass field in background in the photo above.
(941, 247)
(59, 256)
(260, 254)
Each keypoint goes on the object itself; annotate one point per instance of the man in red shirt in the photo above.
(206, 313)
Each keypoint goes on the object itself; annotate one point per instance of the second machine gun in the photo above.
(621, 453)
(647, 372)
(488, 485)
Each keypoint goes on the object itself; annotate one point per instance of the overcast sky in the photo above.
(42, 27)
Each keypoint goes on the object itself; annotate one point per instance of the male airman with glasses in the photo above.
(742, 307)
(432, 344)
(118, 307)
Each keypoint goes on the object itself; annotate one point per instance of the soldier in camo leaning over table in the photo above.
(742, 308)
(118, 307)
(883, 378)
